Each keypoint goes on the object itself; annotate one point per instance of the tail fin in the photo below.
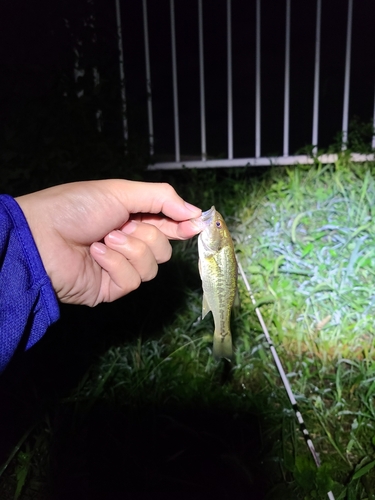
(222, 347)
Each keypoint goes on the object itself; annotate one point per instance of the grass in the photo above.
(155, 414)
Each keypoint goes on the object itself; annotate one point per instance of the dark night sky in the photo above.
(34, 45)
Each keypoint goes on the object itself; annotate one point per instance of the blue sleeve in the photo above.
(28, 304)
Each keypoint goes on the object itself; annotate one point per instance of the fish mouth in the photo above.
(207, 216)
(205, 219)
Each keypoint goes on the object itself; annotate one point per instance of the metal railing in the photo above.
(257, 159)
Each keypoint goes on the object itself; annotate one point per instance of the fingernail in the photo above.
(192, 208)
(99, 248)
(117, 237)
(130, 227)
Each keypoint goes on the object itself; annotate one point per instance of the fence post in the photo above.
(201, 82)
(230, 94)
(122, 74)
(316, 78)
(257, 89)
(345, 114)
(148, 80)
(175, 90)
(286, 81)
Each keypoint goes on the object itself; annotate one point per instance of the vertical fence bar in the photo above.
(175, 91)
(345, 115)
(148, 80)
(316, 78)
(122, 73)
(230, 94)
(287, 80)
(201, 82)
(257, 85)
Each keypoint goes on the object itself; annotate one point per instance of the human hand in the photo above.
(99, 240)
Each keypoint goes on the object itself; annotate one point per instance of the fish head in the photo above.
(214, 232)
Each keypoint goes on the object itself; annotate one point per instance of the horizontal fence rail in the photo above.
(203, 160)
(258, 162)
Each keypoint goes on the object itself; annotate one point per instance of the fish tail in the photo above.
(222, 347)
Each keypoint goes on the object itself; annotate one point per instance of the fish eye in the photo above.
(218, 224)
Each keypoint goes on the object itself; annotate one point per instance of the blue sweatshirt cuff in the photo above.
(28, 304)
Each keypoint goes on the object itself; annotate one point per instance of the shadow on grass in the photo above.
(35, 379)
(187, 450)
(115, 450)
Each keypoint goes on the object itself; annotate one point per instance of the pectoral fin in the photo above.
(205, 307)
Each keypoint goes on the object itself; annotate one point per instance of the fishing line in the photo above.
(284, 378)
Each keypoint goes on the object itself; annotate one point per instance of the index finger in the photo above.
(153, 198)
(172, 229)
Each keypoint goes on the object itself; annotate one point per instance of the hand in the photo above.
(99, 240)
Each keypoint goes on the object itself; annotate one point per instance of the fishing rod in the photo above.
(284, 378)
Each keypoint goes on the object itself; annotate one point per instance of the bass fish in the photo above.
(218, 271)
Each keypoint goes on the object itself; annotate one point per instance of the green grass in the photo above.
(154, 412)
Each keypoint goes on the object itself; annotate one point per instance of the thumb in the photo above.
(153, 198)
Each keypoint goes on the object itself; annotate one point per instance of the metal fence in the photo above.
(204, 160)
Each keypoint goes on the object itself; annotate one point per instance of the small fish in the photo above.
(218, 271)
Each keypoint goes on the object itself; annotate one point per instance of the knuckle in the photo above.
(151, 235)
(166, 254)
(151, 274)
(134, 282)
(169, 251)
(168, 189)
(141, 250)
